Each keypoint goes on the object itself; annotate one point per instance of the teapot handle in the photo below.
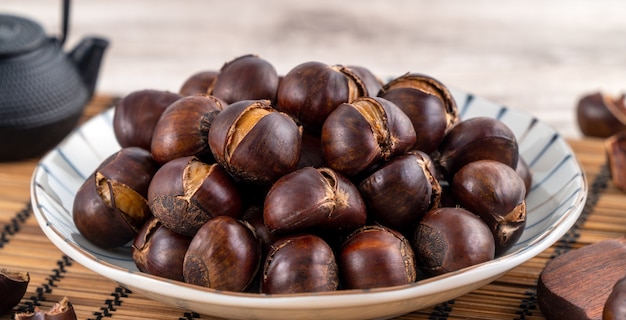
(66, 18)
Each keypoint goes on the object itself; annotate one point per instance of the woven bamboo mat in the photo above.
(53, 275)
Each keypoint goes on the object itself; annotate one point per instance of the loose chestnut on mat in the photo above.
(137, 114)
(186, 192)
(494, 192)
(374, 257)
(183, 128)
(224, 255)
(615, 306)
(480, 138)
(300, 263)
(358, 135)
(428, 103)
(13, 285)
(400, 192)
(247, 77)
(312, 90)
(313, 199)
(198, 83)
(111, 205)
(451, 238)
(62, 310)
(160, 251)
(255, 142)
(615, 149)
(600, 115)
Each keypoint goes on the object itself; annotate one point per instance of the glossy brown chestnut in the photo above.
(62, 310)
(186, 192)
(246, 77)
(223, 255)
(313, 199)
(524, 172)
(494, 192)
(300, 263)
(615, 306)
(480, 138)
(448, 239)
(357, 135)
(111, 206)
(199, 83)
(399, 193)
(254, 217)
(428, 103)
(600, 115)
(312, 90)
(137, 114)
(13, 285)
(615, 149)
(183, 128)
(376, 256)
(160, 251)
(254, 142)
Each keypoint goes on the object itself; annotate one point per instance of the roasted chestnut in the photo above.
(494, 192)
(523, 170)
(183, 128)
(313, 199)
(428, 103)
(13, 285)
(62, 310)
(247, 77)
(451, 238)
(160, 251)
(137, 114)
(600, 115)
(375, 256)
(372, 83)
(312, 90)
(615, 306)
(615, 148)
(186, 192)
(111, 206)
(480, 138)
(224, 255)
(254, 217)
(358, 135)
(199, 83)
(300, 263)
(399, 193)
(248, 133)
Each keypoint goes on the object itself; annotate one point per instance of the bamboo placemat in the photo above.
(23, 246)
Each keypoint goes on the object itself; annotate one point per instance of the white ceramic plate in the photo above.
(557, 197)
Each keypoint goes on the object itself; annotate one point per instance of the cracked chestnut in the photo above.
(300, 263)
(615, 149)
(186, 192)
(360, 134)
(13, 285)
(111, 205)
(224, 255)
(62, 310)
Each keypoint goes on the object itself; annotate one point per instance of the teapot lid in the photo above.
(19, 35)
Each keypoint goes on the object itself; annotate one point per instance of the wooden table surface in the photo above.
(536, 55)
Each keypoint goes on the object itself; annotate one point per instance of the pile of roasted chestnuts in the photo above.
(321, 179)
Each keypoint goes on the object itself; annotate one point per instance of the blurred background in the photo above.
(535, 55)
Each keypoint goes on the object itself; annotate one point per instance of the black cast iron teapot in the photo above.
(43, 90)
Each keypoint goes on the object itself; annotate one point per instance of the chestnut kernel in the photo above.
(137, 114)
(246, 78)
(376, 256)
(111, 206)
(224, 255)
(183, 128)
(451, 238)
(428, 103)
(13, 285)
(159, 251)
(400, 192)
(600, 115)
(248, 133)
(313, 199)
(300, 263)
(186, 192)
(615, 148)
(358, 135)
(494, 192)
